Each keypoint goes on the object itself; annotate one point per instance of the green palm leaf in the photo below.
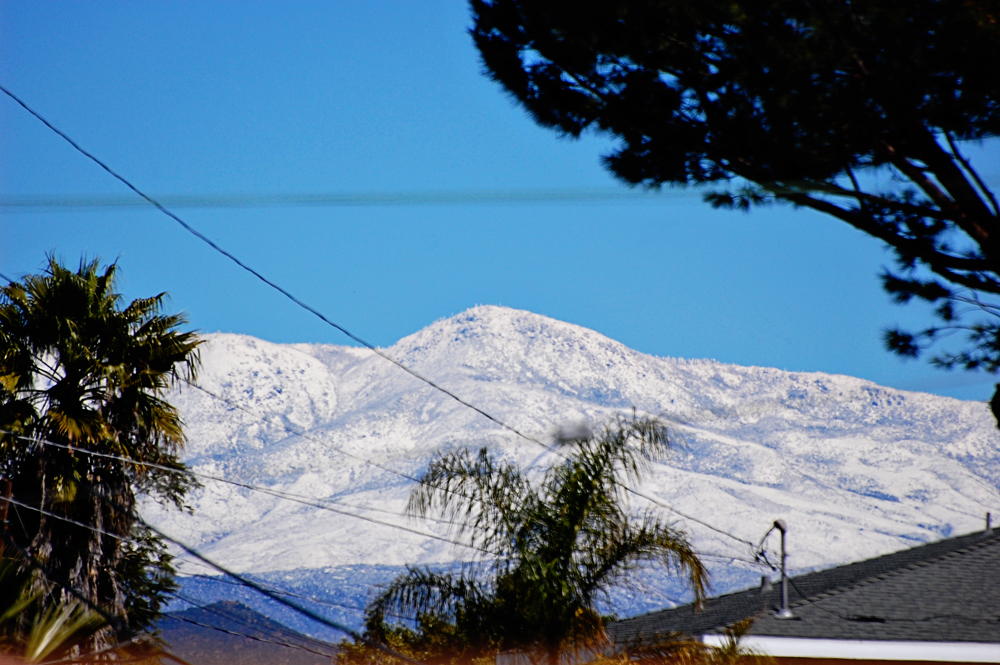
(553, 549)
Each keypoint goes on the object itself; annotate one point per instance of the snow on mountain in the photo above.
(854, 468)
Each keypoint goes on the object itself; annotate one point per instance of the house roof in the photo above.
(946, 591)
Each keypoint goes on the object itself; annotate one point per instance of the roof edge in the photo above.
(799, 647)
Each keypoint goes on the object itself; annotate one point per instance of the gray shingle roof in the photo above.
(946, 591)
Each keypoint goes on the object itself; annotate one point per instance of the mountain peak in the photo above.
(493, 322)
(516, 345)
(856, 468)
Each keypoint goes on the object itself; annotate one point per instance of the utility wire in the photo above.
(256, 638)
(63, 518)
(201, 236)
(287, 603)
(115, 622)
(131, 541)
(303, 435)
(31, 203)
(190, 229)
(315, 503)
(276, 493)
(87, 656)
(285, 427)
(120, 626)
(280, 631)
(249, 637)
(284, 592)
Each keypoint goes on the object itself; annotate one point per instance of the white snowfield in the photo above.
(855, 469)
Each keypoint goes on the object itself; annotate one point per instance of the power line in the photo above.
(290, 594)
(131, 541)
(120, 626)
(269, 591)
(115, 622)
(341, 451)
(134, 542)
(238, 620)
(284, 592)
(198, 234)
(190, 229)
(278, 599)
(249, 637)
(269, 630)
(33, 203)
(304, 435)
(89, 527)
(417, 480)
(308, 501)
(290, 430)
(87, 656)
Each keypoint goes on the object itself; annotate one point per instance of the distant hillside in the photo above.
(855, 469)
(226, 633)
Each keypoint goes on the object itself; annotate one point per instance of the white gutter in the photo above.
(952, 652)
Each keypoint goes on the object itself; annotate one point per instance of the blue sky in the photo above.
(242, 98)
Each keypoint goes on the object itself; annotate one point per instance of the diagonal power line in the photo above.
(287, 294)
(120, 627)
(116, 622)
(288, 496)
(283, 601)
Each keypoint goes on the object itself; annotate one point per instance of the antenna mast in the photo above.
(784, 612)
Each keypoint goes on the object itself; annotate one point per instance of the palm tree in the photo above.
(555, 547)
(79, 371)
(55, 629)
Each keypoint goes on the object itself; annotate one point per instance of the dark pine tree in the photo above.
(796, 101)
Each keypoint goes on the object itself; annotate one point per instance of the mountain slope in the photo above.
(854, 468)
(228, 632)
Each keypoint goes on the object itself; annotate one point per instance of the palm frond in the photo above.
(59, 627)
(557, 546)
(481, 497)
(421, 591)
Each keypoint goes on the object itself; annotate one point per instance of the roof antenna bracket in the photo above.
(783, 612)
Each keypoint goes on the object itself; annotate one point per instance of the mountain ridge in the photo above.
(855, 468)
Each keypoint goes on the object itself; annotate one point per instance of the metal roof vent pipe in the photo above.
(783, 612)
(765, 583)
(989, 524)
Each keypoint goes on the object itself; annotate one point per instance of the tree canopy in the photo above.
(797, 101)
(553, 548)
(82, 383)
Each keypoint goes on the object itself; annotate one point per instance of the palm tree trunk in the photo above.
(81, 557)
(553, 655)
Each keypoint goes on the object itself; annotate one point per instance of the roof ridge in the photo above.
(910, 552)
(989, 538)
(952, 546)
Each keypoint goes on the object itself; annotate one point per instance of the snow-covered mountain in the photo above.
(854, 468)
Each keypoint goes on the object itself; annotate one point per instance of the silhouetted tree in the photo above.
(79, 370)
(798, 101)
